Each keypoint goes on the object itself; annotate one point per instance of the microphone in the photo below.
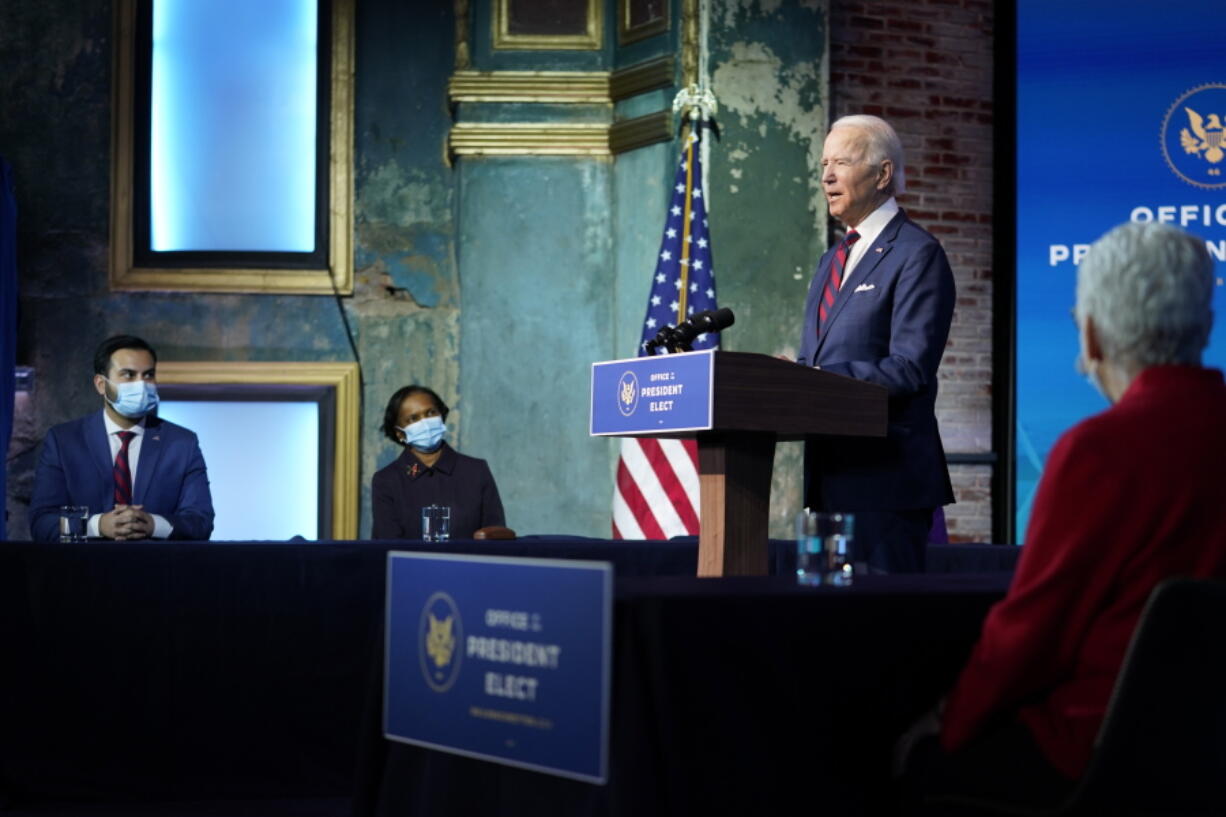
(695, 325)
(678, 338)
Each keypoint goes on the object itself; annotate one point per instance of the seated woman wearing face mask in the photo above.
(430, 472)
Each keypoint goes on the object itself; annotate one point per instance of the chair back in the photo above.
(1162, 746)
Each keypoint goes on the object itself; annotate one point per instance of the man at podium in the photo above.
(879, 309)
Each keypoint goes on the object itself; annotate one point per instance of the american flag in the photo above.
(656, 493)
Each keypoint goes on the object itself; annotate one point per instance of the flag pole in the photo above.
(656, 485)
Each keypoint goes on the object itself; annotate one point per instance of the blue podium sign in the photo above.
(502, 659)
(653, 394)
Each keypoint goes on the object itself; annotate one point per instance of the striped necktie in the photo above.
(836, 275)
(123, 472)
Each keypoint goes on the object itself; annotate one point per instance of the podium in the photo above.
(736, 405)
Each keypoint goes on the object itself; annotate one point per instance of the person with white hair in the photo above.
(1128, 497)
(879, 309)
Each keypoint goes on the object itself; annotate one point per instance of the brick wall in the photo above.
(926, 67)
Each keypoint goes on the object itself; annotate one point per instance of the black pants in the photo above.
(893, 541)
(1005, 766)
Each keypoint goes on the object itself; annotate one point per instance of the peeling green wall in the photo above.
(769, 71)
(534, 260)
(406, 303)
(497, 281)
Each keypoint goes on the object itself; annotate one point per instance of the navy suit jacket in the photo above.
(75, 467)
(888, 326)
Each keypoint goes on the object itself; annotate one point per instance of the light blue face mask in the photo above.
(135, 399)
(425, 435)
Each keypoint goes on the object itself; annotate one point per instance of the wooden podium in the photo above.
(754, 400)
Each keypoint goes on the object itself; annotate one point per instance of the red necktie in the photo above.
(836, 275)
(123, 473)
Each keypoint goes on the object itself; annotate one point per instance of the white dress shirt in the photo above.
(869, 230)
(161, 526)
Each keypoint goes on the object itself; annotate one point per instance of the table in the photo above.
(246, 670)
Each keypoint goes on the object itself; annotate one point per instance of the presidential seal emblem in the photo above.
(1194, 136)
(627, 394)
(439, 636)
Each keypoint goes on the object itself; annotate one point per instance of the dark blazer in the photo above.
(888, 326)
(400, 490)
(75, 468)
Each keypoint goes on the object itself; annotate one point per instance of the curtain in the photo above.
(8, 319)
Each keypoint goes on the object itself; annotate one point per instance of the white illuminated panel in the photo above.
(263, 461)
(233, 125)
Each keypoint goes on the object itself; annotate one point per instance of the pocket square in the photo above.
(863, 288)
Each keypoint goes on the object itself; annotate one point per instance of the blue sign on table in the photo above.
(653, 394)
(501, 659)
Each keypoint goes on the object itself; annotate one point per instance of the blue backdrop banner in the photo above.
(501, 659)
(1121, 116)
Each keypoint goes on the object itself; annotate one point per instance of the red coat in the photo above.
(1128, 498)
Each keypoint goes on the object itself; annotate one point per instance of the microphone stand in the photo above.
(672, 341)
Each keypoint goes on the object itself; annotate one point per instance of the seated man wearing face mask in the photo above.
(429, 472)
(140, 477)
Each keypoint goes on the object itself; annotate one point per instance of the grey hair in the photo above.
(1148, 288)
(883, 143)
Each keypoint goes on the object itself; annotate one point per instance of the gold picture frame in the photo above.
(630, 32)
(341, 377)
(337, 277)
(592, 38)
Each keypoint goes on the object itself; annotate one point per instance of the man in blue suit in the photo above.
(879, 310)
(140, 477)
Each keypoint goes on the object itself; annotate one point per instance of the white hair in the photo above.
(882, 143)
(1148, 288)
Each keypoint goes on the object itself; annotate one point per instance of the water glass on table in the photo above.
(73, 522)
(436, 523)
(824, 552)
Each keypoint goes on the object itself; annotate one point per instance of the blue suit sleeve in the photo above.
(193, 517)
(923, 308)
(50, 492)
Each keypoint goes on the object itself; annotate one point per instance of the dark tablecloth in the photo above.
(245, 670)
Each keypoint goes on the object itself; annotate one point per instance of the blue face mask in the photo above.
(426, 434)
(135, 399)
